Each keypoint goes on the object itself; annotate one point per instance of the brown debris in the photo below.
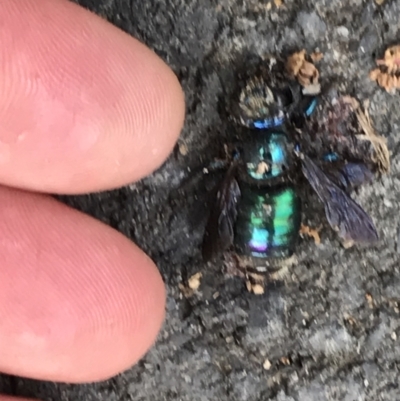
(285, 360)
(391, 59)
(186, 291)
(194, 281)
(256, 289)
(284, 269)
(385, 80)
(347, 244)
(300, 66)
(387, 75)
(370, 300)
(352, 321)
(255, 283)
(382, 155)
(295, 62)
(316, 56)
(311, 232)
(193, 285)
(183, 149)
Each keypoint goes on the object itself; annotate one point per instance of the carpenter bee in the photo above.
(257, 209)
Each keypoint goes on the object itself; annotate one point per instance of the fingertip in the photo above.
(79, 302)
(10, 398)
(84, 107)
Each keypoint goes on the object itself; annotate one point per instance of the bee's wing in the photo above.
(351, 175)
(343, 214)
(219, 231)
(356, 174)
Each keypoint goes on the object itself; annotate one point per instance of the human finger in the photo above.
(78, 301)
(83, 106)
(8, 398)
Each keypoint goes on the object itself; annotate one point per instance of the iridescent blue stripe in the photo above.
(277, 155)
(311, 107)
(331, 157)
(269, 123)
(259, 240)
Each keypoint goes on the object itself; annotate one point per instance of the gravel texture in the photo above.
(331, 330)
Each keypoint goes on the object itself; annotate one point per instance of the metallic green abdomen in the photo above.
(268, 222)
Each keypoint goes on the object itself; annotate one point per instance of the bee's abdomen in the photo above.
(268, 222)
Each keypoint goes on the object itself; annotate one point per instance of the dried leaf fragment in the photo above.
(374, 74)
(255, 283)
(311, 232)
(316, 56)
(378, 142)
(295, 62)
(285, 360)
(194, 281)
(370, 300)
(387, 75)
(389, 82)
(300, 66)
(193, 285)
(256, 289)
(391, 59)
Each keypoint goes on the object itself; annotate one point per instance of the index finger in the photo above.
(83, 106)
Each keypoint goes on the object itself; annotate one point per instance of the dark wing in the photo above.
(344, 215)
(220, 226)
(351, 175)
(356, 174)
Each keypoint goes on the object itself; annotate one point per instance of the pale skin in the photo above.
(83, 107)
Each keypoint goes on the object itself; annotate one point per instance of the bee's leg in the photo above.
(256, 281)
(258, 277)
(282, 269)
(231, 154)
(233, 265)
(216, 165)
(257, 272)
(239, 266)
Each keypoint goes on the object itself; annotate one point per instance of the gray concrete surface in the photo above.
(323, 336)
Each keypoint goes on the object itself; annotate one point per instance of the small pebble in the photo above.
(194, 281)
(183, 149)
(342, 31)
(312, 25)
(267, 364)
